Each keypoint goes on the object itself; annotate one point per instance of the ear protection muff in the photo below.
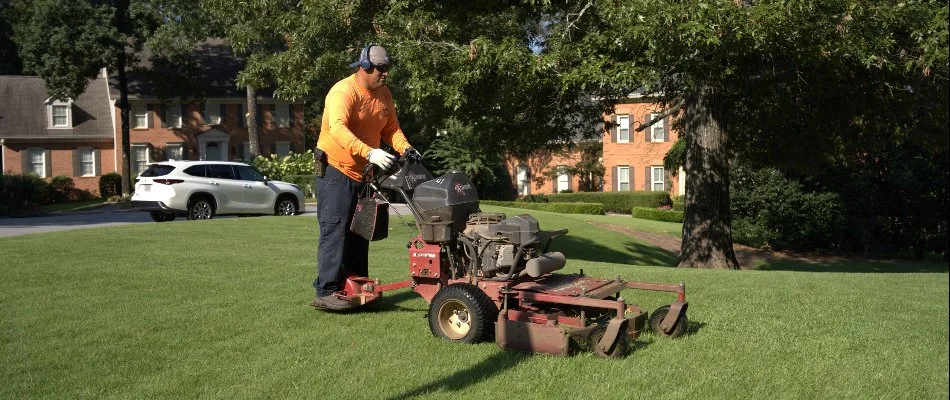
(365, 63)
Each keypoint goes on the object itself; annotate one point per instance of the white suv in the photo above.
(203, 189)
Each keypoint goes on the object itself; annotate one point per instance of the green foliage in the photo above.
(110, 185)
(279, 168)
(307, 183)
(61, 189)
(679, 203)
(616, 202)
(589, 170)
(768, 208)
(657, 214)
(563, 208)
(22, 194)
(532, 198)
(675, 157)
(460, 147)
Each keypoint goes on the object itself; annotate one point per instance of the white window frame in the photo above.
(173, 116)
(524, 180)
(623, 129)
(653, 178)
(31, 164)
(211, 114)
(91, 162)
(282, 112)
(623, 178)
(51, 111)
(139, 111)
(563, 179)
(282, 148)
(181, 151)
(658, 127)
(133, 161)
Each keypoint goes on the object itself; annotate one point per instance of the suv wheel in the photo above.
(200, 208)
(285, 206)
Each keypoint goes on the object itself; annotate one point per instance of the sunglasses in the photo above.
(382, 68)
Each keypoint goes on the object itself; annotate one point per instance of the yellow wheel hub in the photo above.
(454, 319)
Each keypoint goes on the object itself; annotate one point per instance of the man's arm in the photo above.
(339, 107)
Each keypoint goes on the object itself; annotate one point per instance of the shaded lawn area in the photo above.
(221, 309)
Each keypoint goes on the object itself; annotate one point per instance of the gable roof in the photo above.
(215, 75)
(23, 111)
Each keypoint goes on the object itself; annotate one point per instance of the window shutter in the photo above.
(24, 161)
(260, 116)
(273, 148)
(666, 130)
(222, 114)
(648, 180)
(76, 169)
(97, 160)
(290, 116)
(613, 131)
(149, 110)
(162, 116)
(48, 162)
(614, 180)
(648, 131)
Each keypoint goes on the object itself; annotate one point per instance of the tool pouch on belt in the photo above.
(319, 163)
(370, 218)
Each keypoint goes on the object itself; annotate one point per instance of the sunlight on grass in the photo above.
(220, 309)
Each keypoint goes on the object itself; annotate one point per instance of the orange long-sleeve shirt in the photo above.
(355, 120)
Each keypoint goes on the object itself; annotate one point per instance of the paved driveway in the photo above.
(108, 216)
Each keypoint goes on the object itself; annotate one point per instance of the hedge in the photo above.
(563, 208)
(617, 202)
(307, 183)
(657, 214)
(679, 203)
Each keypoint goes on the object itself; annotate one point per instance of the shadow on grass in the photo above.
(579, 248)
(486, 369)
(856, 266)
(391, 302)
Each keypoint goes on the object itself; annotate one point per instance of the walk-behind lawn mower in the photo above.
(485, 275)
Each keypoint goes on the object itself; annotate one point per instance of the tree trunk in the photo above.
(707, 221)
(121, 15)
(253, 136)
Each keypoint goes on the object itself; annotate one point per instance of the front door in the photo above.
(213, 151)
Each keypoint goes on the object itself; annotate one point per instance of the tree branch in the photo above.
(660, 117)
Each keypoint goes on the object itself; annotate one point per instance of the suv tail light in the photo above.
(168, 181)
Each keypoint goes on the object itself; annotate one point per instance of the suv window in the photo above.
(245, 173)
(197, 170)
(158, 170)
(220, 171)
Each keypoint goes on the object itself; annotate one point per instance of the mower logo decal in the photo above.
(462, 188)
(427, 255)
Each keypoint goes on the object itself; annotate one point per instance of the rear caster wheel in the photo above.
(656, 318)
(619, 350)
(462, 313)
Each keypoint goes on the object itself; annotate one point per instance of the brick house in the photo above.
(633, 161)
(79, 138)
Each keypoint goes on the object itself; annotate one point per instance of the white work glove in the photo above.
(381, 158)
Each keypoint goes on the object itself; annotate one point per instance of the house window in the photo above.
(283, 115)
(658, 130)
(658, 183)
(623, 178)
(211, 114)
(140, 158)
(524, 180)
(563, 179)
(174, 151)
(139, 116)
(173, 117)
(59, 114)
(283, 148)
(36, 162)
(623, 129)
(87, 161)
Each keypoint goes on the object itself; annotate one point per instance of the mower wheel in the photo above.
(656, 318)
(462, 313)
(620, 349)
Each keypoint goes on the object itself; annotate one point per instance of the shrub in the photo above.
(563, 208)
(22, 194)
(617, 202)
(61, 189)
(532, 198)
(679, 203)
(110, 185)
(279, 168)
(307, 183)
(656, 214)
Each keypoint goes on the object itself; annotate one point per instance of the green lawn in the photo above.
(221, 309)
(73, 206)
